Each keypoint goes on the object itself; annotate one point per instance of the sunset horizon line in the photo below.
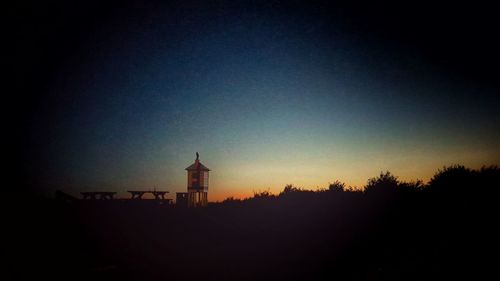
(274, 190)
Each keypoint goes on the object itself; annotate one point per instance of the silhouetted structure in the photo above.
(181, 199)
(197, 195)
(137, 194)
(103, 195)
(65, 197)
(393, 230)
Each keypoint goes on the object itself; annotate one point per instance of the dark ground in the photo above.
(444, 231)
(392, 231)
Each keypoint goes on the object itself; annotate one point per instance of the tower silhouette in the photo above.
(197, 180)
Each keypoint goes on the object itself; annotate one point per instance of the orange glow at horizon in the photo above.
(243, 183)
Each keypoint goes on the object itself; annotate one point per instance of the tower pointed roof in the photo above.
(197, 166)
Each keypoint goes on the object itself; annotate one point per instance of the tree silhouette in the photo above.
(453, 179)
(391, 230)
(384, 183)
(411, 187)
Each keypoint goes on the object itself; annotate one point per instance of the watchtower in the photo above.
(197, 183)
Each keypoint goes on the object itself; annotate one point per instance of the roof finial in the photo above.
(197, 156)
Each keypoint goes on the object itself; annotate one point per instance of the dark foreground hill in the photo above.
(391, 231)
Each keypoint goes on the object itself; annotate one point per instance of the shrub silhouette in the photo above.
(336, 186)
(263, 195)
(335, 233)
(453, 179)
(290, 189)
(385, 183)
(489, 181)
(411, 187)
(231, 200)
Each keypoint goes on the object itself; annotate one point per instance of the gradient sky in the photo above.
(268, 95)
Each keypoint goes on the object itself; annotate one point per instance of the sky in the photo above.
(121, 95)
